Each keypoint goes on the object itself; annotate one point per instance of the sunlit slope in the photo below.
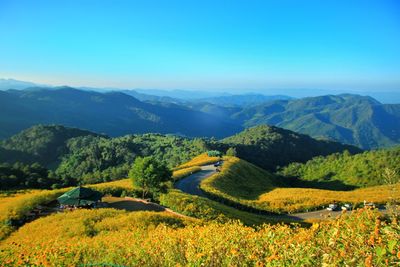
(246, 186)
(200, 160)
(239, 179)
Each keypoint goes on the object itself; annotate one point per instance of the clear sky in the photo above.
(203, 44)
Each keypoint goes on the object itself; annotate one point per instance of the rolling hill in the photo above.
(351, 119)
(81, 156)
(270, 147)
(242, 185)
(41, 143)
(361, 170)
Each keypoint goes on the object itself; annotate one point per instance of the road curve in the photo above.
(191, 183)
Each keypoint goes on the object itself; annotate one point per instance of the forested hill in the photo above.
(42, 144)
(351, 119)
(270, 147)
(365, 169)
(82, 156)
(114, 114)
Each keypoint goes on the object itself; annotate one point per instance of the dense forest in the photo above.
(44, 144)
(76, 156)
(21, 176)
(365, 169)
(270, 147)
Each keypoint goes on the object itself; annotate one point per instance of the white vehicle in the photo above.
(332, 207)
(346, 207)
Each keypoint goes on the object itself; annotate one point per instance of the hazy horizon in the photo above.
(245, 45)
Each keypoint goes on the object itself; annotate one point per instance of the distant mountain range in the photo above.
(112, 113)
(6, 84)
(351, 119)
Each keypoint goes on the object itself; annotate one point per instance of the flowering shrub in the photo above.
(15, 207)
(110, 237)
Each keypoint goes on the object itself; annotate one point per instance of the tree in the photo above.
(149, 174)
(231, 152)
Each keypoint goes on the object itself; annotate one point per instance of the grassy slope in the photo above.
(244, 184)
(200, 160)
(239, 179)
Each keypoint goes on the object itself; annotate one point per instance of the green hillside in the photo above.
(44, 144)
(361, 170)
(270, 147)
(351, 119)
(240, 179)
(82, 156)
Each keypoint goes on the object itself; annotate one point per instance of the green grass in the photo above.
(240, 179)
(209, 210)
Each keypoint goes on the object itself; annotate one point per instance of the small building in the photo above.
(79, 197)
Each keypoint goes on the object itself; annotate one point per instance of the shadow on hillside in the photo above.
(334, 185)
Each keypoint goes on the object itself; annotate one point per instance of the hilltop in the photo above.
(270, 146)
(44, 144)
(361, 170)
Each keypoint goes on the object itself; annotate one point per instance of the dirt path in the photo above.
(136, 204)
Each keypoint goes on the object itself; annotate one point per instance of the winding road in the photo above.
(191, 185)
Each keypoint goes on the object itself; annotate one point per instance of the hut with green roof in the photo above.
(80, 196)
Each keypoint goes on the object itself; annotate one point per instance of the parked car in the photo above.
(332, 207)
(347, 207)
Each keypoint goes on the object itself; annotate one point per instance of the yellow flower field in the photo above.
(109, 237)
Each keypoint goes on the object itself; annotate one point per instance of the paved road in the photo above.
(191, 183)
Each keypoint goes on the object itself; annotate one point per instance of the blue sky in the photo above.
(203, 44)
